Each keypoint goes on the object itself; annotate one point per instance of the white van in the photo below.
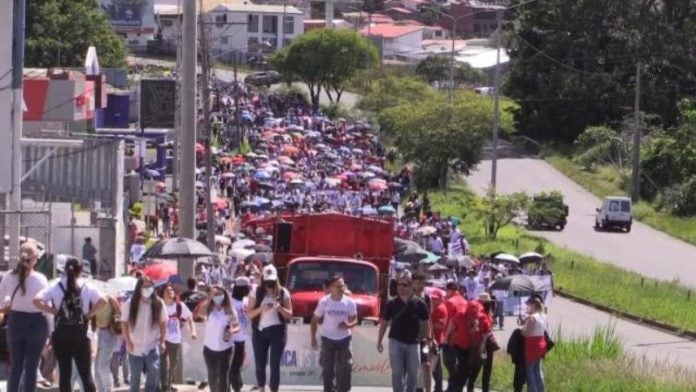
(616, 212)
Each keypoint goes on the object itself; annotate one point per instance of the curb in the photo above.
(691, 335)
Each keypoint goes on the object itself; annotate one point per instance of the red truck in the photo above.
(310, 248)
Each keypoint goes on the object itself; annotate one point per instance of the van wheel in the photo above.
(628, 229)
(597, 225)
(561, 227)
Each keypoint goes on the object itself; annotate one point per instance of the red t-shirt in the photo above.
(439, 316)
(461, 335)
(455, 304)
(485, 326)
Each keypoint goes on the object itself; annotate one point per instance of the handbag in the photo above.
(549, 342)
(4, 347)
(492, 344)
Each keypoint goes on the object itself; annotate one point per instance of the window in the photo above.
(252, 42)
(223, 40)
(167, 23)
(289, 25)
(253, 23)
(270, 24)
(220, 20)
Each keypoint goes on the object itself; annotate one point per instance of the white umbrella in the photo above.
(241, 244)
(222, 240)
(506, 257)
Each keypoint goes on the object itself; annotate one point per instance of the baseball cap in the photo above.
(242, 281)
(270, 273)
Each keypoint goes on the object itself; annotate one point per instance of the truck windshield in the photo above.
(359, 279)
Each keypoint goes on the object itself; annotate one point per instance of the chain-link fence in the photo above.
(34, 224)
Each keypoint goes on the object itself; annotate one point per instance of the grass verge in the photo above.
(606, 181)
(597, 363)
(667, 302)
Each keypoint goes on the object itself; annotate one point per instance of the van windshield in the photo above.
(625, 206)
(360, 279)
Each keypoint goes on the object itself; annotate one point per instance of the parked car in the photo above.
(615, 212)
(265, 78)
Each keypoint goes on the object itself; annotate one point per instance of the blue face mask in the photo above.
(218, 299)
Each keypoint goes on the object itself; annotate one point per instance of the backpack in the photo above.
(71, 323)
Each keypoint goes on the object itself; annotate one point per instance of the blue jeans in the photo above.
(273, 339)
(150, 362)
(106, 343)
(26, 335)
(535, 378)
(405, 362)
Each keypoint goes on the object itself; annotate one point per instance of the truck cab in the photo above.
(306, 276)
(310, 248)
(615, 212)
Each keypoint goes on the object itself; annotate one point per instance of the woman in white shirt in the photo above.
(240, 302)
(27, 328)
(270, 310)
(220, 324)
(72, 302)
(534, 344)
(177, 314)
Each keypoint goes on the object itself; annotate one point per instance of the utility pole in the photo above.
(188, 124)
(635, 194)
(496, 103)
(454, 38)
(17, 113)
(205, 99)
(237, 119)
(177, 117)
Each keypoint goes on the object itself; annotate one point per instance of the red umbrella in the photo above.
(291, 150)
(220, 203)
(160, 272)
(238, 160)
(378, 186)
(288, 175)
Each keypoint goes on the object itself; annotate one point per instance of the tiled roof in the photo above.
(390, 30)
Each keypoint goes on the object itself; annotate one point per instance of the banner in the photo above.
(157, 103)
(129, 13)
(300, 364)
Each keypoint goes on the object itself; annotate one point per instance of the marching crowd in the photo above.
(296, 162)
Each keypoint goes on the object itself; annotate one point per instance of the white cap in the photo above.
(242, 281)
(270, 273)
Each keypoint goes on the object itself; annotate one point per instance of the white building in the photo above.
(395, 39)
(242, 26)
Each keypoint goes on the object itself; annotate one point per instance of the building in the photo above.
(474, 19)
(395, 39)
(315, 24)
(244, 25)
(133, 21)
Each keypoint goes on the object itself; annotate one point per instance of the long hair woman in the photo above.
(27, 328)
(220, 324)
(144, 325)
(72, 302)
(534, 344)
(240, 302)
(270, 310)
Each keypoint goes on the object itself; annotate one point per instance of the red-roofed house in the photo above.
(394, 38)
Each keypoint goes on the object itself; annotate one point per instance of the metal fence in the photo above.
(33, 224)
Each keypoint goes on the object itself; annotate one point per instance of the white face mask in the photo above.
(147, 291)
(218, 299)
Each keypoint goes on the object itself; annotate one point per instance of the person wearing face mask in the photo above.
(178, 314)
(270, 310)
(221, 323)
(27, 328)
(144, 325)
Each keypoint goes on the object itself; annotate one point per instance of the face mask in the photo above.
(147, 292)
(218, 299)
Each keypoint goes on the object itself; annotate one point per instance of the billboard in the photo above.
(157, 103)
(5, 96)
(129, 13)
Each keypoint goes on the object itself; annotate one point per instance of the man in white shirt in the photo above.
(471, 285)
(339, 314)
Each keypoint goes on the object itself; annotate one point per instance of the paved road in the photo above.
(643, 250)
(347, 99)
(578, 320)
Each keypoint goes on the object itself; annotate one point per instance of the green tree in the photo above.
(498, 211)
(602, 145)
(438, 69)
(573, 62)
(59, 32)
(438, 137)
(393, 91)
(326, 59)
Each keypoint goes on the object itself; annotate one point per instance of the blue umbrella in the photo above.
(261, 201)
(262, 175)
(344, 149)
(368, 210)
(386, 209)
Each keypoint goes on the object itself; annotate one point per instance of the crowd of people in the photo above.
(296, 161)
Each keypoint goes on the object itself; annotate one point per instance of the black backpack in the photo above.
(71, 322)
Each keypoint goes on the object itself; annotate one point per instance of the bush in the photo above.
(681, 198)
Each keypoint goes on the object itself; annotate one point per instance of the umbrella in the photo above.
(175, 248)
(387, 209)
(259, 248)
(261, 200)
(227, 175)
(506, 257)
(242, 244)
(426, 230)
(378, 186)
(160, 272)
(366, 174)
(368, 210)
(222, 240)
(291, 150)
(220, 203)
(333, 181)
(430, 258)
(357, 151)
(286, 160)
(262, 175)
(530, 257)
(296, 181)
(263, 257)
(123, 283)
(400, 245)
(412, 255)
(521, 284)
(374, 168)
(438, 268)
(460, 261)
(288, 175)
(250, 205)
(344, 149)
